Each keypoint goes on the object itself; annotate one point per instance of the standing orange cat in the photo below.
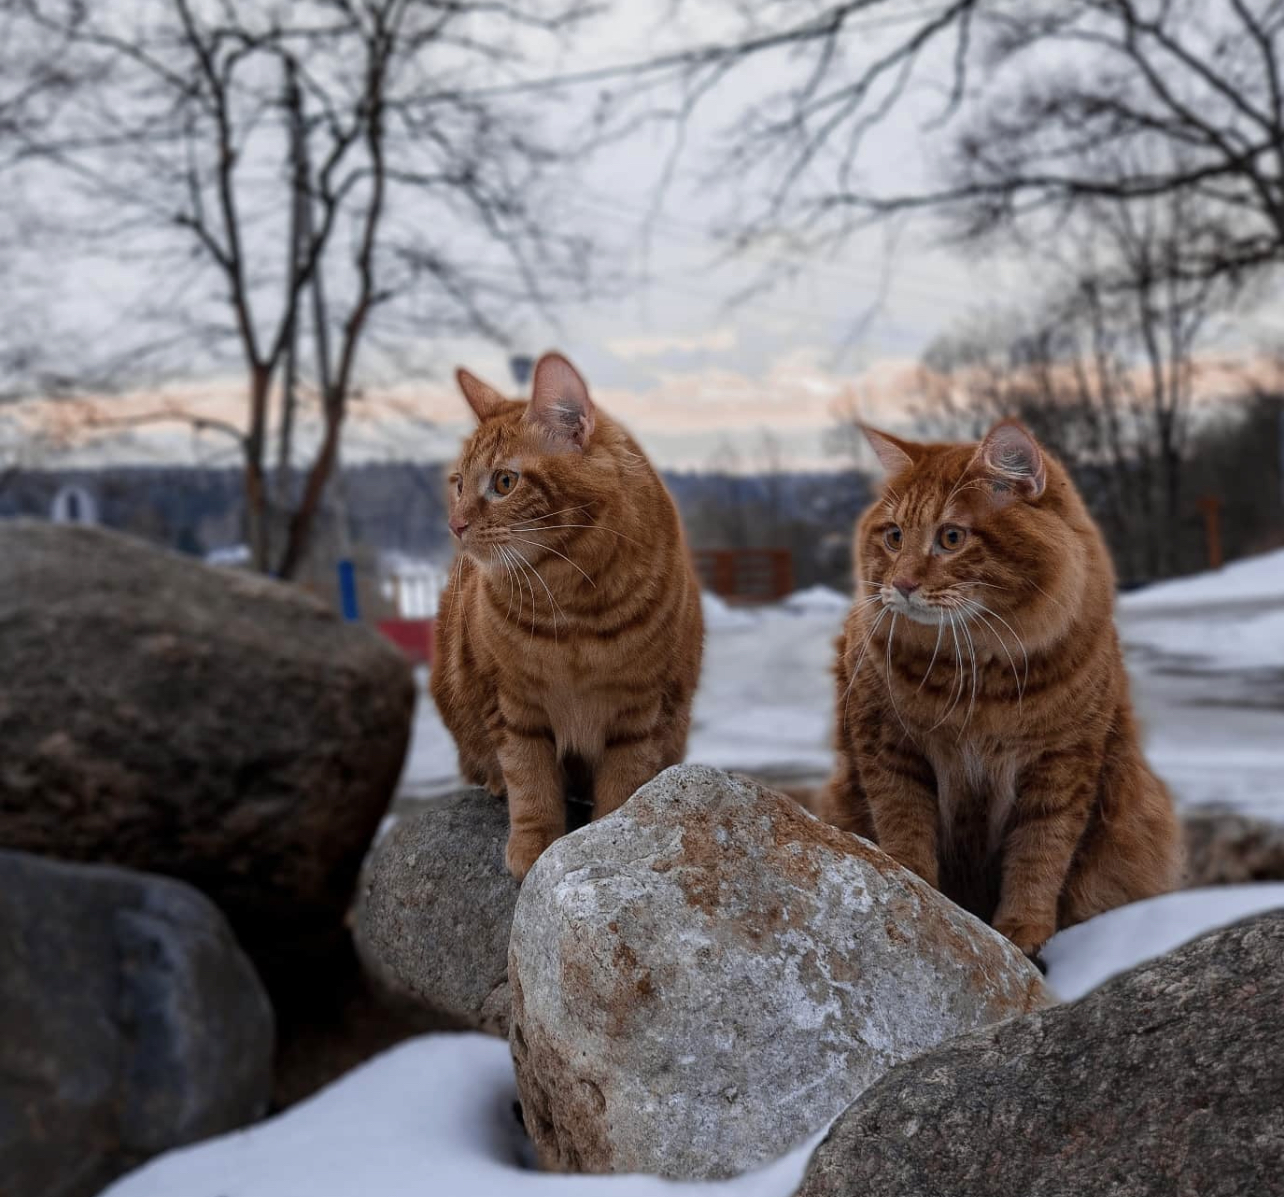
(570, 635)
(986, 738)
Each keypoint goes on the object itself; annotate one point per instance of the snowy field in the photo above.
(1206, 656)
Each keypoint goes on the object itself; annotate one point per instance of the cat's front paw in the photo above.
(524, 849)
(1027, 936)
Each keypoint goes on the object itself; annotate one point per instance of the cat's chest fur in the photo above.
(975, 793)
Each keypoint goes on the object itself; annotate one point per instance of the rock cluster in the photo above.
(211, 726)
(206, 724)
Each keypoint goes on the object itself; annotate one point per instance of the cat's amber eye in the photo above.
(503, 481)
(457, 481)
(951, 538)
(892, 538)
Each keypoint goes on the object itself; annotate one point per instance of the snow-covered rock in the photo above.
(207, 724)
(435, 909)
(1165, 1082)
(130, 1023)
(1253, 579)
(706, 977)
(430, 1118)
(1083, 957)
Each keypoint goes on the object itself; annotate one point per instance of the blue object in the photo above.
(348, 590)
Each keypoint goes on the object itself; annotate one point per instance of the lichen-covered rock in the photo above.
(206, 724)
(709, 975)
(1227, 848)
(435, 910)
(130, 1022)
(1165, 1082)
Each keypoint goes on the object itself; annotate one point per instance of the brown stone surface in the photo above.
(709, 975)
(1165, 1082)
(207, 724)
(1225, 848)
(130, 1023)
(435, 909)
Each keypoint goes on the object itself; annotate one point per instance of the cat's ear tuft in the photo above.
(482, 398)
(560, 405)
(893, 453)
(1013, 459)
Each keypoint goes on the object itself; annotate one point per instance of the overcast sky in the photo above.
(696, 378)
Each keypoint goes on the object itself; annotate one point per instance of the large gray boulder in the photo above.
(130, 1023)
(709, 975)
(208, 724)
(435, 910)
(1227, 848)
(1166, 1081)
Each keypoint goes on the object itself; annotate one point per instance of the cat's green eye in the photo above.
(951, 538)
(503, 481)
(892, 538)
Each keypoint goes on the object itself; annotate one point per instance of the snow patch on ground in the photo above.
(433, 1117)
(1256, 578)
(820, 599)
(1254, 640)
(719, 616)
(1081, 958)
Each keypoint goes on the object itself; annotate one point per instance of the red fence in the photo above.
(413, 636)
(746, 575)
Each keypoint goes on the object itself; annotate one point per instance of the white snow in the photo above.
(430, 1118)
(1258, 578)
(1204, 653)
(1253, 640)
(719, 615)
(818, 598)
(1081, 958)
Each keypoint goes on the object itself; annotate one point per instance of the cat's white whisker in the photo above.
(891, 690)
(554, 606)
(861, 657)
(977, 611)
(940, 629)
(548, 548)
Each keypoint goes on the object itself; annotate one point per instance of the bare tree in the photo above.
(328, 167)
(1027, 111)
(1104, 371)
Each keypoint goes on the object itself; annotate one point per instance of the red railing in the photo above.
(413, 636)
(746, 575)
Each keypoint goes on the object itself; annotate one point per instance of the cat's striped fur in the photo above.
(570, 635)
(985, 735)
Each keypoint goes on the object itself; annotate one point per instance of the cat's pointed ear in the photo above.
(1012, 458)
(893, 453)
(482, 398)
(560, 405)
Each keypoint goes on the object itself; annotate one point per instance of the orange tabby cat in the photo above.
(986, 739)
(570, 636)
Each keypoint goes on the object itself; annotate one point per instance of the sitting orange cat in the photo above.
(986, 738)
(570, 635)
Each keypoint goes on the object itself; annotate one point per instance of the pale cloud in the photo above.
(716, 340)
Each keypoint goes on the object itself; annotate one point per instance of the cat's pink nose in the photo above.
(458, 526)
(905, 586)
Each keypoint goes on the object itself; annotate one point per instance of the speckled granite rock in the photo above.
(1165, 1082)
(709, 975)
(435, 909)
